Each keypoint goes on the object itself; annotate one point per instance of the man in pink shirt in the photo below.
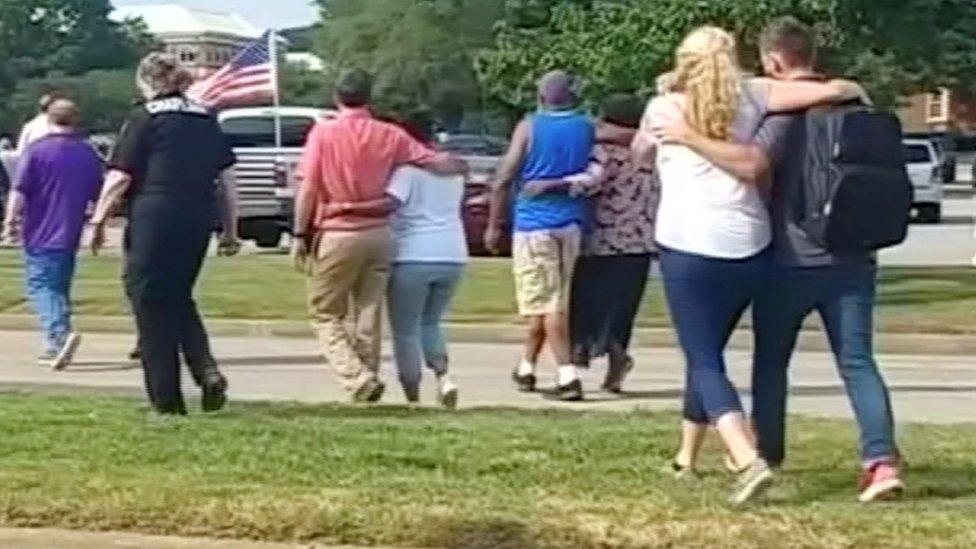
(342, 231)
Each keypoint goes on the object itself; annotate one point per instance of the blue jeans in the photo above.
(844, 297)
(419, 295)
(48, 275)
(707, 297)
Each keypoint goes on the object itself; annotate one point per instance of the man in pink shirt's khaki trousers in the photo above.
(342, 228)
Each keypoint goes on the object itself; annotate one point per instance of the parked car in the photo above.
(946, 150)
(483, 154)
(470, 144)
(266, 172)
(922, 161)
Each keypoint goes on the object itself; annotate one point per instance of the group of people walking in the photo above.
(704, 178)
(712, 185)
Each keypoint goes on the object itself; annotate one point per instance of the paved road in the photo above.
(926, 388)
(47, 538)
(949, 243)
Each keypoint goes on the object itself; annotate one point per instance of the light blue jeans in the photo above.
(48, 275)
(419, 295)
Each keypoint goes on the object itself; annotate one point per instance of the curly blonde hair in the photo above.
(161, 74)
(707, 72)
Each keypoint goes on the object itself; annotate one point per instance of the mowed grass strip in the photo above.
(472, 479)
(265, 287)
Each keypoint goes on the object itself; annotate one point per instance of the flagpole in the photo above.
(273, 49)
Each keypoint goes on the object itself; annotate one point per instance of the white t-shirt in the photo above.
(703, 209)
(38, 127)
(428, 227)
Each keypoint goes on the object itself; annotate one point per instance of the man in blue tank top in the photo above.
(552, 143)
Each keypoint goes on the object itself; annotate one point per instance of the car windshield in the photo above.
(259, 131)
(916, 153)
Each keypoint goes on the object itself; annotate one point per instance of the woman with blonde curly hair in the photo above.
(713, 231)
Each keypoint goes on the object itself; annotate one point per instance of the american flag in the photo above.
(249, 79)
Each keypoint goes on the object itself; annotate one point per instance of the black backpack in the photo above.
(857, 192)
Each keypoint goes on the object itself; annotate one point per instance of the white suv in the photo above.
(922, 161)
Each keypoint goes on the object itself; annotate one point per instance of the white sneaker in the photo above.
(447, 393)
(752, 482)
(67, 352)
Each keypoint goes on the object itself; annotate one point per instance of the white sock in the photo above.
(566, 375)
(525, 368)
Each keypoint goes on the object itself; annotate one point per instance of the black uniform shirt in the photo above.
(171, 146)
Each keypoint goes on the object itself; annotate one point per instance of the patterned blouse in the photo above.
(623, 205)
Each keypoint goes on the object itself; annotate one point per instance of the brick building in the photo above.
(944, 110)
(203, 40)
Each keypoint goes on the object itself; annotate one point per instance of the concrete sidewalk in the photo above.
(810, 339)
(48, 538)
(13, 538)
(925, 388)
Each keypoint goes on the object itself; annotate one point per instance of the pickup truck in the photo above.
(265, 172)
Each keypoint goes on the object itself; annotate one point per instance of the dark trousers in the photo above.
(166, 247)
(707, 297)
(165, 328)
(844, 297)
(606, 294)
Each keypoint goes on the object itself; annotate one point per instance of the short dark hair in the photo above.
(355, 89)
(419, 123)
(622, 109)
(791, 38)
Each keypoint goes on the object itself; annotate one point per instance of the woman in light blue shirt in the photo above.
(429, 258)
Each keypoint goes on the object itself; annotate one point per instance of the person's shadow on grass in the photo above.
(489, 534)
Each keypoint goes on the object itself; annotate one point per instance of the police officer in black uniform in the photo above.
(169, 156)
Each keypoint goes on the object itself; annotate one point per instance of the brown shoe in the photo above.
(370, 391)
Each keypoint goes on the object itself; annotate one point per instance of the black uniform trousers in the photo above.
(167, 241)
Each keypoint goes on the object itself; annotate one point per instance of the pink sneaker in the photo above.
(881, 481)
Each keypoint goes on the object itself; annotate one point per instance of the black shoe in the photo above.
(570, 393)
(526, 383)
(370, 391)
(616, 374)
(214, 392)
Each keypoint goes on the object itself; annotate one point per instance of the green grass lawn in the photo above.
(479, 478)
(913, 300)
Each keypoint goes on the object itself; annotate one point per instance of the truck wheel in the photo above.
(930, 213)
(268, 239)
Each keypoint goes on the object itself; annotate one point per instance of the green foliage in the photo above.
(893, 46)
(105, 97)
(58, 41)
(39, 37)
(420, 51)
(301, 86)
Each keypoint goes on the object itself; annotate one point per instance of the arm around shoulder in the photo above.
(798, 95)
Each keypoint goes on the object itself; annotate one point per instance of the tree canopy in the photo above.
(893, 46)
(420, 51)
(46, 42)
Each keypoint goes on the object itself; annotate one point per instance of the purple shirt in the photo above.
(59, 176)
